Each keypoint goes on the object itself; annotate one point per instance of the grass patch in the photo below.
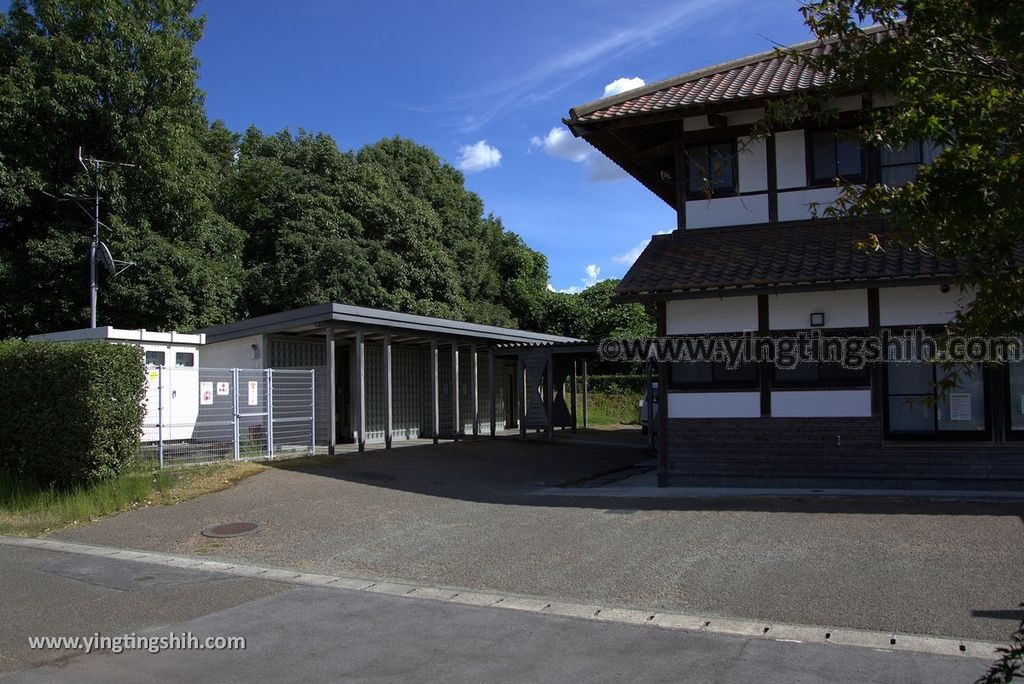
(609, 409)
(26, 510)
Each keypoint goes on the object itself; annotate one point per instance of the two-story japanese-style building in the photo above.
(751, 253)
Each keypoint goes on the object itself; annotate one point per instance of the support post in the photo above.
(664, 371)
(585, 397)
(493, 390)
(521, 381)
(361, 389)
(474, 390)
(549, 396)
(236, 447)
(332, 393)
(312, 411)
(434, 396)
(388, 393)
(160, 413)
(270, 413)
(572, 393)
(456, 419)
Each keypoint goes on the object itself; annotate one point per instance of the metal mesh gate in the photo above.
(200, 415)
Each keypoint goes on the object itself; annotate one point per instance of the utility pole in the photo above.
(95, 244)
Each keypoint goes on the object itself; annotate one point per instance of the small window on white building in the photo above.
(711, 167)
(900, 165)
(155, 358)
(184, 359)
(835, 155)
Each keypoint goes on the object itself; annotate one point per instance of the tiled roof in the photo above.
(774, 256)
(759, 75)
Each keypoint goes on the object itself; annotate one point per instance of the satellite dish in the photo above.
(104, 257)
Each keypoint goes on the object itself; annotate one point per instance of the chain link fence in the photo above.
(202, 415)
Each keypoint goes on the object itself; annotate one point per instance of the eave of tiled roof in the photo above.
(766, 74)
(778, 256)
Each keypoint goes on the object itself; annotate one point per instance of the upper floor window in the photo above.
(900, 165)
(711, 168)
(833, 154)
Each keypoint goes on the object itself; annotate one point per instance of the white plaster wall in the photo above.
(919, 305)
(697, 316)
(714, 405)
(842, 309)
(727, 211)
(753, 165)
(790, 159)
(821, 404)
(796, 204)
(233, 353)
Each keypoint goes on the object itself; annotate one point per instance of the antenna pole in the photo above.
(93, 282)
(95, 245)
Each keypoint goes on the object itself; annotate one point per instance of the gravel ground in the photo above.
(467, 515)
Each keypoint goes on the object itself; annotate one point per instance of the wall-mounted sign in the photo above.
(223, 389)
(154, 375)
(960, 407)
(205, 393)
(254, 393)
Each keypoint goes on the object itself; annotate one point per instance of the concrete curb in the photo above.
(748, 629)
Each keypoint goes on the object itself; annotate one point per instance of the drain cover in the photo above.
(231, 529)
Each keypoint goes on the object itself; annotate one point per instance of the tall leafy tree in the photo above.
(952, 73)
(117, 79)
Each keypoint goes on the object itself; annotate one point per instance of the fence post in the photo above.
(312, 411)
(160, 414)
(270, 413)
(238, 390)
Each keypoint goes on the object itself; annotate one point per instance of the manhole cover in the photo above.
(231, 529)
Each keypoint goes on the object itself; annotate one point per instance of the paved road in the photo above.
(312, 634)
(468, 515)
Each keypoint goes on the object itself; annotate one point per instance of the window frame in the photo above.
(715, 193)
(191, 356)
(163, 358)
(814, 181)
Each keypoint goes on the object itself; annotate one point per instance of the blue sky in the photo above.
(450, 74)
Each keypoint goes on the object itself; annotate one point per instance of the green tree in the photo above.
(954, 73)
(119, 80)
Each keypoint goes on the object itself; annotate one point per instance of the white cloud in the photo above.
(561, 144)
(478, 157)
(593, 272)
(632, 255)
(621, 85)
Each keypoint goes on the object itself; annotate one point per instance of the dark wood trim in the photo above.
(773, 179)
(764, 369)
(661, 318)
(680, 180)
(717, 120)
(875, 372)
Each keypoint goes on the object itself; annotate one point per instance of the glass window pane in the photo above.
(823, 155)
(744, 373)
(720, 171)
(910, 378)
(898, 175)
(802, 373)
(963, 407)
(688, 373)
(698, 165)
(835, 372)
(908, 154)
(1017, 396)
(185, 359)
(849, 160)
(155, 358)
(911, 414)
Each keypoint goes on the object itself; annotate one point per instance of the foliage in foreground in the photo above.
(954, 71)
(1010, 665)
(71, 413)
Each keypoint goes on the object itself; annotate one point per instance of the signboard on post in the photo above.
(960, 407)
(205, 393)
(223, 389)
(254, 393)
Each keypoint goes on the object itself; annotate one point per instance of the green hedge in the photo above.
(69, 413)
(617, 384)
